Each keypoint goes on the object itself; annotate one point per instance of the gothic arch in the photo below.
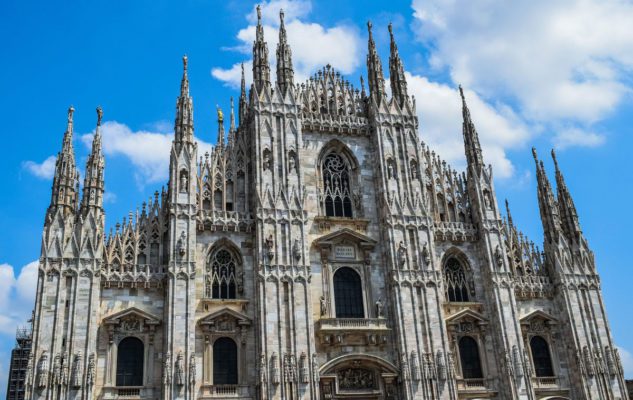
(388, 366)
(337, 177)
(458, 276)
(223, 271)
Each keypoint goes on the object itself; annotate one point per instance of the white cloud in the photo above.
(148, 151)
(565, 59)
(577, 137)
(627, 362)
(313, 45)
(16, 296)
(43, 170)
(440, 112)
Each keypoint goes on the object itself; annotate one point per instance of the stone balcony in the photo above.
(235, 221)
(348, 124)
(533, 286)
(129, 392)
(454, 232)
(475, 388)
(226, 392)
(131, 275)
(353, 331)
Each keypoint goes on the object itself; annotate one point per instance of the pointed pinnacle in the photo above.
(281, 16)
(535, 155)
(555, 160)
(71, 110)
(99, 115)
(184, 62)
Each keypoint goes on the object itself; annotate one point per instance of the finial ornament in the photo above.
(220, 114)
(184, 62)
(71, 110)
(99, 115)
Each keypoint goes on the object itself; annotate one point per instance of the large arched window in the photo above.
(337, 195)
(348, 294)
(221, 281)
(541, 357)
(455, 280)
(224, 362)
(469, 357)
(129, 365)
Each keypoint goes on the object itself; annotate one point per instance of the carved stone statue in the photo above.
(275, 369)
(42, 371)
(75, 377)
(315, 369)
(402, 254)
(90, 375)
(323, 303)
(296, 250)
(167, 370)
(262, 369)
(379, 308)
(179, 373)
(291, 164)
(192, 370)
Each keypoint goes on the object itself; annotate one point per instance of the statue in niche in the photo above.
(262, 368)
(323, 306)
(266, 161)
(192, 370)
(426, 257)
(179, 372)
(487, 200)
(184, 182)
(42, 371)
(167, 370)
(291, 163)
(181, 246)
(315, 369)
(75, 378)
(402, 253)
(390, 170)
(90, 375)
(498, 256)
(270, 252)
(296, 249)
(379, 308)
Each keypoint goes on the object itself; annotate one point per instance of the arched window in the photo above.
(469, 357)
(221, 276)
(129, 365)
(224, 362)
(348, 294)
(337, 197)
(455, 280)
(541, 357)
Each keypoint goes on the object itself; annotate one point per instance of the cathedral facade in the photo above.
(321, 251)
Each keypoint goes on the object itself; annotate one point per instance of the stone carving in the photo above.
(42, 371)
(262, 369)
(451, 364)
(266, 163)
(131, 325)
(291, 163)
(167, 370)
(356, 379)
(269, 243)
(402, 254)
(426, 256)
(304, 375)
(29, 370)
(192, 370)
(275, 369)
(75, 377)
(518, 362)
(404, 367)
(498, 257)
(323, 304)
(441, 366)
(57, 370)
(90, 374)
(429, 366)
(588, 361)
(415, 366)
(296, 250)
(179, 373)
(184, 182)
(315, 369)
(379, 308)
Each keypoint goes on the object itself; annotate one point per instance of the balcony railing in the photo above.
(545, 381)
(128, 392)
(226, 391)
(476, 384)
(353, 323)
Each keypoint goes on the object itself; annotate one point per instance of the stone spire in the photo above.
(183, 128)
(220, 128)
(232, 125)
(472, 147)
(66, 180)
(376, 78)
(566, 206)
(285, 73)
(93, 181)
(243, 104)
(396, 72)
(547, 203)
(261, 68)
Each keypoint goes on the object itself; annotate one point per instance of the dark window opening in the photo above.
(348, 294)
(541, 357)
(224, 362)
(469, 357)
(129, 366)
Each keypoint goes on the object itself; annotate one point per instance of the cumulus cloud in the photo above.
(557, 60)
(313, 45)
(43, 170)
(440, 113)
(148, 151)
(627, 362)
(577, 137)
(17, 295)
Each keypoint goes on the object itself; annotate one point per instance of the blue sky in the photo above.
(549, 75)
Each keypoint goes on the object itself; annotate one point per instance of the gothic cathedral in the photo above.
(320, 251)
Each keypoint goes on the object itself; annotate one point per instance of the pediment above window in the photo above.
(345, 245)
(225, 320)
(537, 321)
(466, 321)
(132, 319)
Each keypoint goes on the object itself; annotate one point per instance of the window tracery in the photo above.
(337, 194)
(223, 278)
(456, 281)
